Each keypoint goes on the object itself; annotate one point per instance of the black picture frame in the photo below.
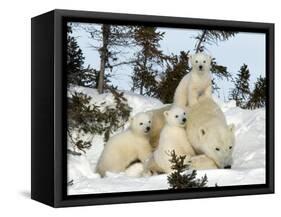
(48, 148)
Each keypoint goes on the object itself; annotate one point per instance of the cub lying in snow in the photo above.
(124, 148)
(172, 137)
(197, 83)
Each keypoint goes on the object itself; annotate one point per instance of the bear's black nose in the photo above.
(184, 119)
(148, 128)
(227, 167)
(200, 67)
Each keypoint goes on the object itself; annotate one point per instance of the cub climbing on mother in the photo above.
(197, 83)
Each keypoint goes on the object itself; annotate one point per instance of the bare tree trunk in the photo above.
(141, 88)
(201, 39)
(144, 69)
(103, 56)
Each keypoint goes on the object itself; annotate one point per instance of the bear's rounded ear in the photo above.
(231, 127)
(166, 113)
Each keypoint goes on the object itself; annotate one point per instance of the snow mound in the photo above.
(137, 102)
(248, 154)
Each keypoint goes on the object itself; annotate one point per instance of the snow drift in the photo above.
(248, 154)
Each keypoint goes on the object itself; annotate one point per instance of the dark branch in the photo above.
(200, 40)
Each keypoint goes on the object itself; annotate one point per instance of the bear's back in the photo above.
(205, 112)
(206, 115)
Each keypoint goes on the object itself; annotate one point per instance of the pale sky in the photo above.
(248, 48)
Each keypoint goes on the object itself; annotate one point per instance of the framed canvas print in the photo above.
(134, 108)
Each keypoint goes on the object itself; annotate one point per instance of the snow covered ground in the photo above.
(248, 154)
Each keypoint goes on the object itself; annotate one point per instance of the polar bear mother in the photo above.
(207, 131)
(209, 134)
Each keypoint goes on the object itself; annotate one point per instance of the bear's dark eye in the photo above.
(184, 113)
(217, 149)
(203, 132)
(196, 61)
(176, 116)
(149, 121)
(204, 61)
(230, 147)
(141, 123)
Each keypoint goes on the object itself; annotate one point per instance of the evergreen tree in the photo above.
(113, 39)
(75, 59)
(241, 92)
(76, 73)
(177, 68)
(258, 96)
(92, 78)
(179, 178)
(115, 118)
(220, 72)
(211, 37)
(148, 60)
(87, 118)
(82, 118)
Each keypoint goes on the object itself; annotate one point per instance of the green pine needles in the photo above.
(242, 94)
(91, 119)
(180, 178)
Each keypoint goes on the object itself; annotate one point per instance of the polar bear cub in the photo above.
(128, 146)
(172, 137)
(195, 84)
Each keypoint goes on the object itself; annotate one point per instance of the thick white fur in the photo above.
(172, 137)
(197, 83)
(158, 122)
(208, 132)
(202, 162)
(128, 146)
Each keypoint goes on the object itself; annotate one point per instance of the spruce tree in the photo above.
(76, 73)
(219, 72)
(258, 95)
(87, 118)
(211, 37)
(241, 91)
(177, 68)
(180, 178)
(148, 60)
(113, 39)
(115, 117)
(75, 59)
(82, 117)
